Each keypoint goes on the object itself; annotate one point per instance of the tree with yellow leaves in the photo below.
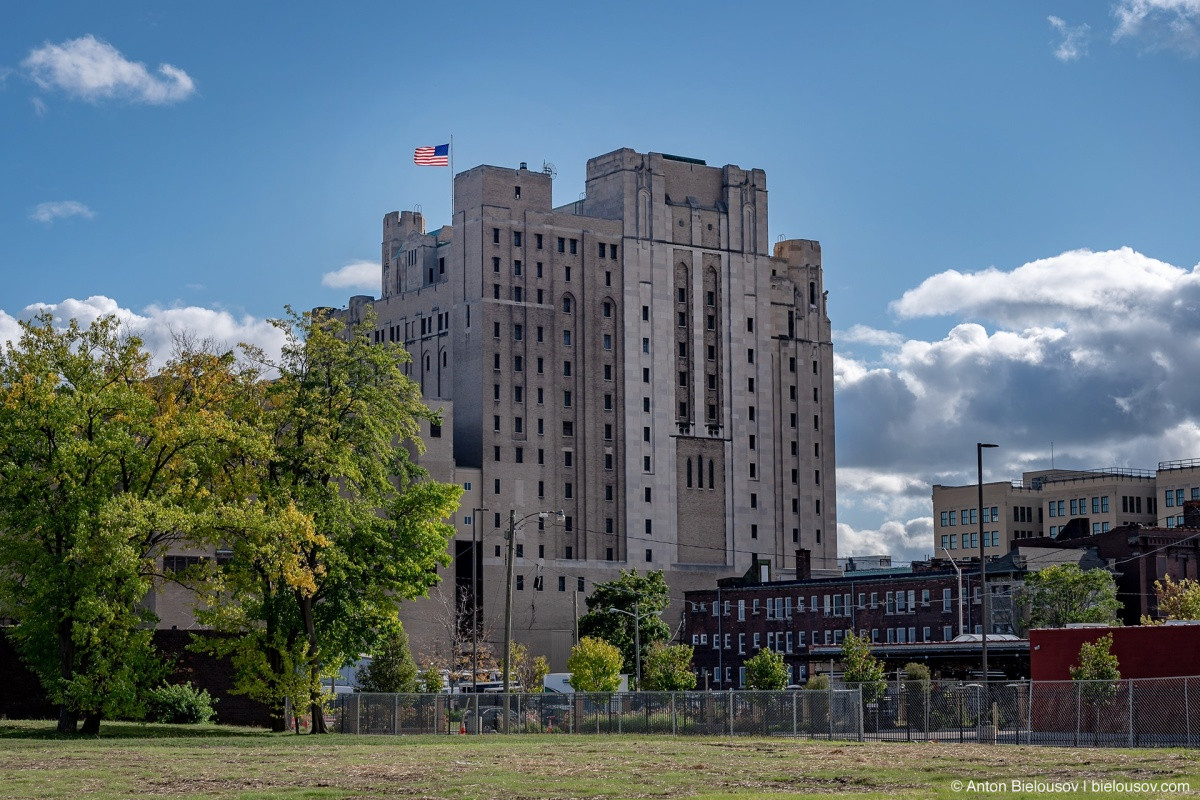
(330, 525)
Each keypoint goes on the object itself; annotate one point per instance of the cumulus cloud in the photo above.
(907, 541)
(355, 275)
(1160, 24)
(1095, 352)
(92, 69)
(60, 209)
(863, 334)
(1074, 40)
(158, 327)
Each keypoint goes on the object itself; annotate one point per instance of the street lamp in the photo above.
(957, 572)
(983, 587)
(513, 522)
(637, 638)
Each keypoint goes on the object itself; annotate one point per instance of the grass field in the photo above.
(130, 760)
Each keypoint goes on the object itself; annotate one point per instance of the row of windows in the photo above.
(782, 641)
(970, 516)
(539, 583)
(970, 540)
(830, 605)
(564, 244)
(1175, 497)
(422, 326)
(710, 300)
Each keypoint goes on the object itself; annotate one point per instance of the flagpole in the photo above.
(452, 179)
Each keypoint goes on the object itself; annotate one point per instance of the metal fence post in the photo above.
(1079, 702)
(1129, 740)
(1029, 715)
(1187, 712)
(830, 714)
(731, 712)
(794, 730)
(860, 712)
(674, 721)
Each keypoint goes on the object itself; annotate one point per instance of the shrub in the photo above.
(181, 704)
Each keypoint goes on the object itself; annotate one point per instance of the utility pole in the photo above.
(512, 546)
(983, 587)
(512, 539)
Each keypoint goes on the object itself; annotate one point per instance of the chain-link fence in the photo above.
(1146, 712)
(827, 714)
(1150, 712)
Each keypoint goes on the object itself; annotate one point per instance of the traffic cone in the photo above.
(462, 728)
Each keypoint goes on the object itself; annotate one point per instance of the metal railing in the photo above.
(1148, 712)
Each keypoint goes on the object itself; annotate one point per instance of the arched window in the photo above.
(711, 484)
(566, 305)
(443, 358)
(700, 473)
(689, 473)
(427, 361)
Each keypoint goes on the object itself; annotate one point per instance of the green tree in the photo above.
(392, 668)
(331, 524)
(766, 670)
(1176, 600)
(430, 680)
(668, 668)
(1064, 593)
(529, 670)
(861, 668)
(648, 594)
(102, 464)
(595, 666)
(917, 687)
(1099, 671)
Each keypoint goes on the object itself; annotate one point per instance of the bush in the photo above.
(181, 704)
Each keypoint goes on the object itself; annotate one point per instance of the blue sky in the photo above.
(1006, 193)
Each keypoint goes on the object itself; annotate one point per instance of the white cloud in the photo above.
(355, 275)
(1160, 24)
(158, 327)
(1074, 39)
(39, 106)
(93, 70)
(862, 334)
(1093, 351)
(907, 541)
(61, 209)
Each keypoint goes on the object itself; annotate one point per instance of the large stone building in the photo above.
(641, 359)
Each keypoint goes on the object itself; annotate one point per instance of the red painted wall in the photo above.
(1142, 651)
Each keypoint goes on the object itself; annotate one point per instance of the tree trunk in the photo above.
(316, 710)
(91, 724)
(68, 721)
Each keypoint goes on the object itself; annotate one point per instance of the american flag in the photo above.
(438, 156)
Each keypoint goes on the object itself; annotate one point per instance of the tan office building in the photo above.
(1044, 502)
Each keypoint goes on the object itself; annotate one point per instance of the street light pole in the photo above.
(983, 587)
(637, 639)
(957, 572)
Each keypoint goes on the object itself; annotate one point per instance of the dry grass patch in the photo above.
(252, 765)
